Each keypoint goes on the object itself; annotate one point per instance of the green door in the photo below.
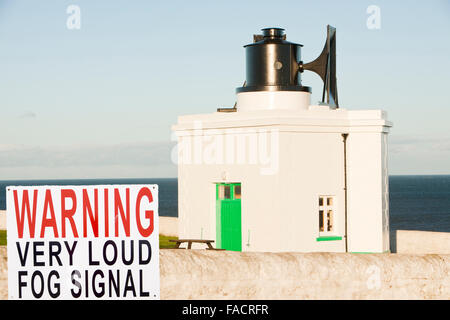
(228, 216)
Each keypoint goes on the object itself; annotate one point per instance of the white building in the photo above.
(279, 174)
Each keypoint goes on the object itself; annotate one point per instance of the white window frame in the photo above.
(325, 208)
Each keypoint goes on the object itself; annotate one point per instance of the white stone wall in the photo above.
(168, 226)
(202, 274)
(3, 274)
(422, 242)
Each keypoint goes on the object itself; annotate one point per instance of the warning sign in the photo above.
(83, 242)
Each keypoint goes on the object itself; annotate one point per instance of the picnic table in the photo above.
(191, 241)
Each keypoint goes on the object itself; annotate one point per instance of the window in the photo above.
(321, 229)
(224, 191)
(237, 192)
(329, 201)
(326, 215)
(330, 220)
(227, 192)
(221, 192)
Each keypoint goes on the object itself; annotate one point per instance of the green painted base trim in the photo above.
(328, 238)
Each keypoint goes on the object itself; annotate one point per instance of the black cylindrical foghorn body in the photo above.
(272, 64)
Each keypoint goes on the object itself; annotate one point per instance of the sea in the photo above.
(415, 202)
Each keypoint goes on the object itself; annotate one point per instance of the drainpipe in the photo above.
(344, 139)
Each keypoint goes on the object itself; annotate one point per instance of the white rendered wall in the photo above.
(280, 210)
(311, 164)
(368, 217)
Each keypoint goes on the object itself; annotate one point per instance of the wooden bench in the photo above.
(191, 241)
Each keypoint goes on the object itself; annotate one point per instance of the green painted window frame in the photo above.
(329, 238)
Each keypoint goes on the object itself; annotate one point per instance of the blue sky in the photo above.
(98, 102)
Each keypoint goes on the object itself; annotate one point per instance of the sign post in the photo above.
(83, 242)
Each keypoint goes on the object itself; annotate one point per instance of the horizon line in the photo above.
(146, 178)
